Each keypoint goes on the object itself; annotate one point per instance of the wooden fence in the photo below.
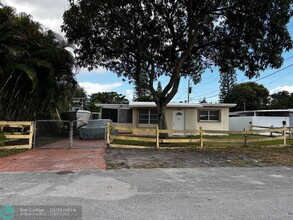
(17, 131)
(152, 135)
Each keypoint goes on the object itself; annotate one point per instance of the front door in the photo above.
(178, 121)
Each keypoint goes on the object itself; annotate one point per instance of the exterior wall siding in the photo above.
(190, 119)
(222, 125)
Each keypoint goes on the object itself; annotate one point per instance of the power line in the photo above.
(284, 60)
(278, 78)
(288, 58)
(203, 95)
(286, 67)
(210, 81)
(273, 73)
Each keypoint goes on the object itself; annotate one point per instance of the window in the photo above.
(117, 115)
(125, 115)
(209, 115)
(147, 116)
(110, 114)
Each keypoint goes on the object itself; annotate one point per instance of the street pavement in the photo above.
(134, 194)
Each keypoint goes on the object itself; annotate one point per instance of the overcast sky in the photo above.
(49, 13)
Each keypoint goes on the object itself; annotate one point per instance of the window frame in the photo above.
(127, 113)
(208, 115)
(150, 116)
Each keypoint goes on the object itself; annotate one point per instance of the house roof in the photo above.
(263, 110)
(182, 105)
(275, 110)
(112, 106)
(218, 105)
(170, 105)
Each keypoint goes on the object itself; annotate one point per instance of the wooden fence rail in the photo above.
(196, 136)
(17, 130)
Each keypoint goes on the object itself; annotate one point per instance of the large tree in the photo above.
(105, 97)
(248, 96)
(142, 94)
(227, 82)
(281, 100)
(143, 40)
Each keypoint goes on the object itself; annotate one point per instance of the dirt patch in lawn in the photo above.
(208, 157)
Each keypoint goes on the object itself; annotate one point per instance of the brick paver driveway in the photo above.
(47, 159)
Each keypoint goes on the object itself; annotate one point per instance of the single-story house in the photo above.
(267, 118)
(179, 116)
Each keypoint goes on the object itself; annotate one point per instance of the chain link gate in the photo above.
(88, 134)
(66, 134)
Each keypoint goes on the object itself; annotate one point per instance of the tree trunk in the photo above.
(162, 119)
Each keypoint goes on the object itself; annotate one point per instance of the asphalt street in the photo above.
(201, 193)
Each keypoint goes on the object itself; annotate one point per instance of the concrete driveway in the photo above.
(200, 193)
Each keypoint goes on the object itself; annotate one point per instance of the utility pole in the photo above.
(188, 90)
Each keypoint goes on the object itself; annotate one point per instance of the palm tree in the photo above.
(35, 69)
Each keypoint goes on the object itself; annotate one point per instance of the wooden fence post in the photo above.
(245, 138)
(201, 136)
(271, 134)
(157, 137)
(250, 126)
(30, 141)
(284, 134)
(108, 134)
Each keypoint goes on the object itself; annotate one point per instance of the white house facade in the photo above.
(179, 116)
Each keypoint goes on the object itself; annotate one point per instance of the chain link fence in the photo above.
(67, 134)
(52, 134)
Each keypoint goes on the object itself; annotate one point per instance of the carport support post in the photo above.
(71, 134)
